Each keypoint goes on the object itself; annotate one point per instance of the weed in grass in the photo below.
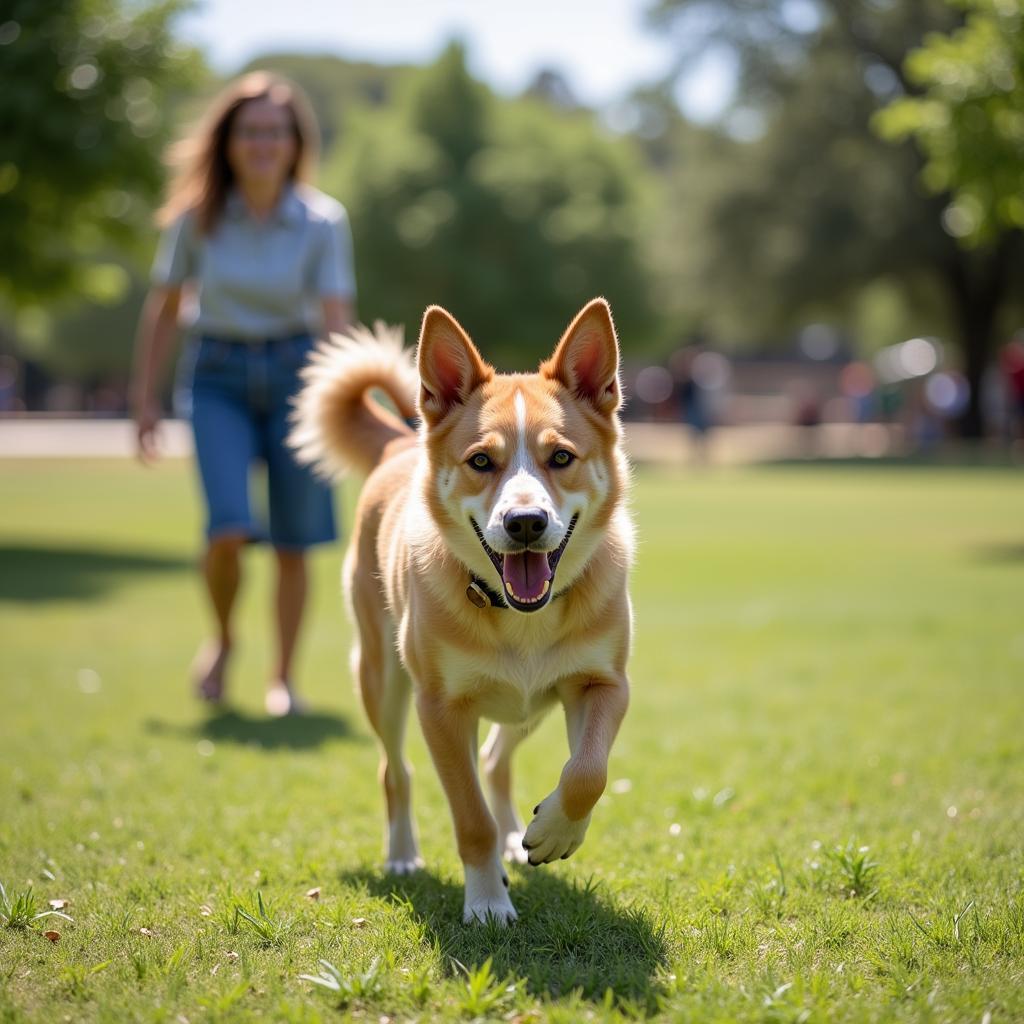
(484, 991)
(75, 978)
(270, 930)
(351, 988)
(175, 965)
(218, 1005)
(857, 872)
(22, 911)
(419, 986)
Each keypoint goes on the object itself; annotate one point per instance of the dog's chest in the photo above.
(512, 684)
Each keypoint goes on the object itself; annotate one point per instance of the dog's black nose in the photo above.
(525, 524)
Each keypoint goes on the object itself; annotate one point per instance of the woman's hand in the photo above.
(147, 428)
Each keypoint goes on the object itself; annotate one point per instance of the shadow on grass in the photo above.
(955, 458)
(33, 573)
(571, 935)
(1000, 554)
(296, 732)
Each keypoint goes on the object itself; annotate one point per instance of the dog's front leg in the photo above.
(594, 706)
(450, 730)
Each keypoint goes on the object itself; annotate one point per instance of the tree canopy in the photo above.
(511, 213)
(812, 214)
(84, 107)
(968, 118)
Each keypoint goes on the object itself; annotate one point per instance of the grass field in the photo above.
(816, 813)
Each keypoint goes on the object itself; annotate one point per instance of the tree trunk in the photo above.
(979, 282)
(976, 337)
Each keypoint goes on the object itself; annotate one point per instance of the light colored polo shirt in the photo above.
(256, 279)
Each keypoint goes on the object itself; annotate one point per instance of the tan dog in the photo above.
(487, 572)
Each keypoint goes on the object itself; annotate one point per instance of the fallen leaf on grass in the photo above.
(314, 893)
(52, 936)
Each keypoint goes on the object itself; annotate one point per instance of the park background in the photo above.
(809, 214)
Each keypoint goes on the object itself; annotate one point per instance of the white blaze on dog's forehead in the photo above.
(523, 485)
(522, 448)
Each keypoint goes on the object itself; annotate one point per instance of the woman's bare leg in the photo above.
(222, 575)
(290, 603)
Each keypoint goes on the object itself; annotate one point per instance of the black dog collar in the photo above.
(483, 596)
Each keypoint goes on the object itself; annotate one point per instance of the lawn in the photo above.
(816, 808)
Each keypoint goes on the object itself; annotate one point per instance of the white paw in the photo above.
(512, 849)
(403, 851)
(551, 835)
(487, 895)
(403, 866)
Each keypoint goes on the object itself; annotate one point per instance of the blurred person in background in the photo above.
(254, 263)
(1011, 359)
(692, 399)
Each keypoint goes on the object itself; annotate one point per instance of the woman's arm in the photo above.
(156, 338)
(338, 314)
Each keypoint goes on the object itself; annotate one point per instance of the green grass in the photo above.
(817, 800)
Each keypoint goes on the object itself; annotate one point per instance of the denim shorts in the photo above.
(238, 396)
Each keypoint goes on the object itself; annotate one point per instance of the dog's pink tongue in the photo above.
(526, 573)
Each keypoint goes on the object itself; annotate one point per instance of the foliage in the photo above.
(363, 986)
(969, 118)
(84, 109)
(811, 210)
(20, 911)
(510, 213)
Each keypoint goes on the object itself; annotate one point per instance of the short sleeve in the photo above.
(335, 275)
(176, 256)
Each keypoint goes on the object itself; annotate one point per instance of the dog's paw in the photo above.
(551, 835)
(403, 866)
(499, 911)
(487, 895)
(513, 850)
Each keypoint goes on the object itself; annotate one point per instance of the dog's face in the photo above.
(525, 469)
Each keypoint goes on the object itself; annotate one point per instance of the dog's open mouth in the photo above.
(527, 577)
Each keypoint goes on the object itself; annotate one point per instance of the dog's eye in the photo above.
(481, 463)
(561, 458)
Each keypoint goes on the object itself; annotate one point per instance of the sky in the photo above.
(603, 47)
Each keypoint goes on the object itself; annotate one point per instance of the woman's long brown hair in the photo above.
(202, 176)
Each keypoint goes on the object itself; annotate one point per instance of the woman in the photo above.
(253, 262)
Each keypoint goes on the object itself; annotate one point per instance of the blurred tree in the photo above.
(969, 119)
(83, 112)
(89, 89)
(510, 213)
(805, 207)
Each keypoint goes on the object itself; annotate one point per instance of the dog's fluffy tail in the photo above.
(337, 425)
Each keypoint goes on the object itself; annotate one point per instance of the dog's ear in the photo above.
(450, 366)
(586, 360)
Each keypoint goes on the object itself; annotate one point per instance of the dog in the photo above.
(486, 574)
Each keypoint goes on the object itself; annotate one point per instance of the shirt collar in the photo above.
(287, 211)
